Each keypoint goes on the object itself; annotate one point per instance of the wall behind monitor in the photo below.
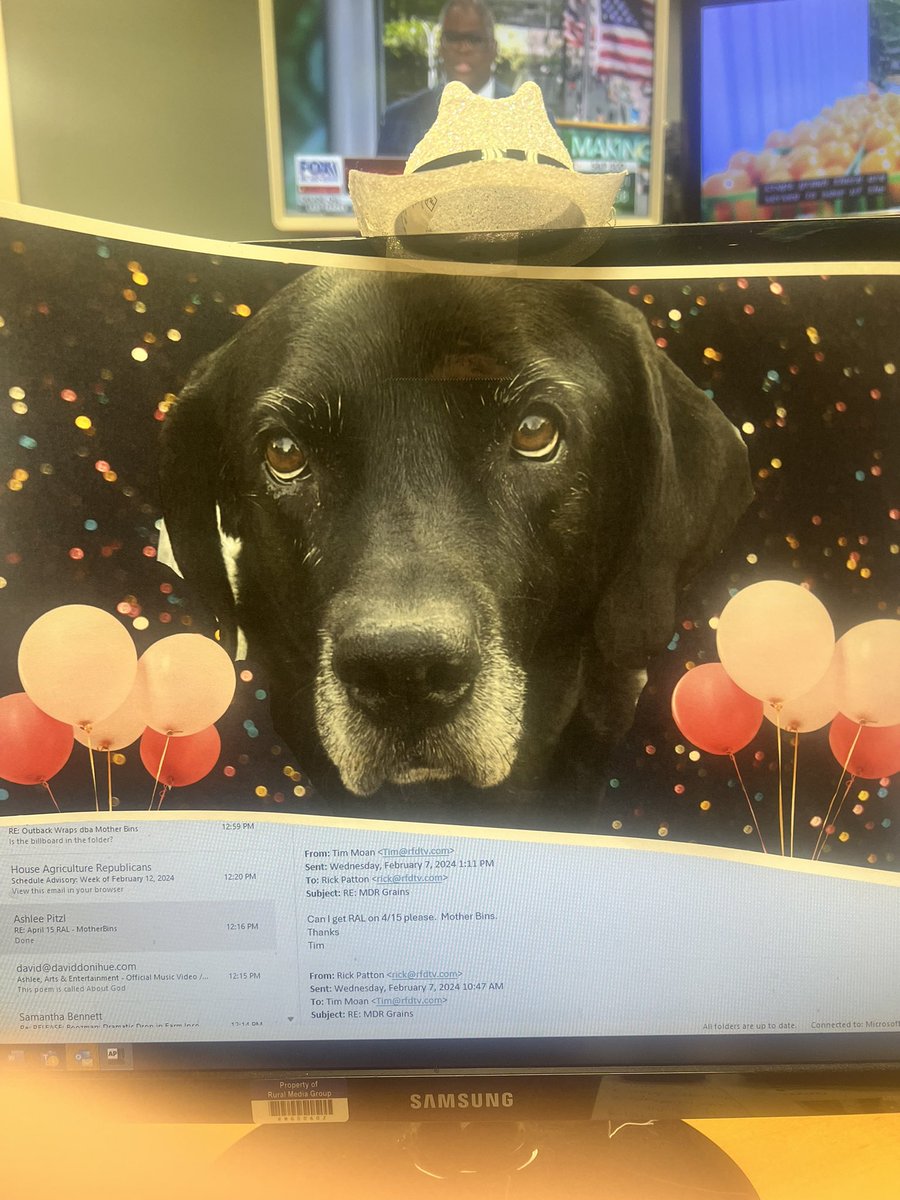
(143, 112)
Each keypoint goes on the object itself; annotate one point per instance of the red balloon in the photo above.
(877, 750)
(33, 746)
(713, 712)
(186, 760)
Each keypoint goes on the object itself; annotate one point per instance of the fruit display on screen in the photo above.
(846, 159)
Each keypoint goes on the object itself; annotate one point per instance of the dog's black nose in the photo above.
(416, 673)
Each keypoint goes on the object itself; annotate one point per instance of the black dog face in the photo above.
(464, 507)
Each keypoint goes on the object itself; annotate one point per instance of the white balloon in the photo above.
(813, 710)
(775, 640)
(868, 682)
(119, 730)
(186, 683)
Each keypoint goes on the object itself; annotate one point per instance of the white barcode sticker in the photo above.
(267, 1112)
(280, 1101)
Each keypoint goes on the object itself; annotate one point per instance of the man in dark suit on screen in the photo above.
(468, 52)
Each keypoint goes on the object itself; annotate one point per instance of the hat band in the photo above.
(489, 155)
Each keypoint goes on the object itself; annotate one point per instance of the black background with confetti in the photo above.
(97, 335)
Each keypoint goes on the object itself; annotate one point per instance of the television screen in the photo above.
(418, 666)
(799, 107)
(356, 86)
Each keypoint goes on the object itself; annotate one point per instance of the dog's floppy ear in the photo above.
(195, 486)
(695, 483)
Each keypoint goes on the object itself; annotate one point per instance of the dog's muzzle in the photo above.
(428, 692)
(408, 674)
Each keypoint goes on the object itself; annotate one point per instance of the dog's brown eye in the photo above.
(285, 459)
(537, 436)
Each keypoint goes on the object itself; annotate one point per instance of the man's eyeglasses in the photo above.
(449, 38)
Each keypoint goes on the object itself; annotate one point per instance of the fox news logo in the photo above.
(319, 173)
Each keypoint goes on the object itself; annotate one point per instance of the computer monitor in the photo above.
(353, 85)
(422, 859)
(791, 108)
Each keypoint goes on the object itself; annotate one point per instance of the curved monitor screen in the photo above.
(413, 664)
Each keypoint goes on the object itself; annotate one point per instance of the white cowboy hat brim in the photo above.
(482, 196)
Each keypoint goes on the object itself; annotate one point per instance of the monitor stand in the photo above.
(531, 1160)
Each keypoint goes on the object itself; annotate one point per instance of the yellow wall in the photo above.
(142, 112)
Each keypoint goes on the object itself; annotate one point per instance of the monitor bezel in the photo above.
(650, 1090)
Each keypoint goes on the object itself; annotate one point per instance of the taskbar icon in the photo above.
(77, 1057)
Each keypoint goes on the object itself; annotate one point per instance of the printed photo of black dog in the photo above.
(452, 517)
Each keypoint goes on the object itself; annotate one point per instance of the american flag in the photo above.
(574, 24)
(623, 33)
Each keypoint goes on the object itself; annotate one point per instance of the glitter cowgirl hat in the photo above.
(485, 166)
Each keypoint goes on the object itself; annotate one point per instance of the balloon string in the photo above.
(794, 787)
(749, 802)
(46, 785)
(93, 770)
(833, 824)
(162, 759)
(827, 821)
(109, 776)
(162, 796)
(780, 784)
